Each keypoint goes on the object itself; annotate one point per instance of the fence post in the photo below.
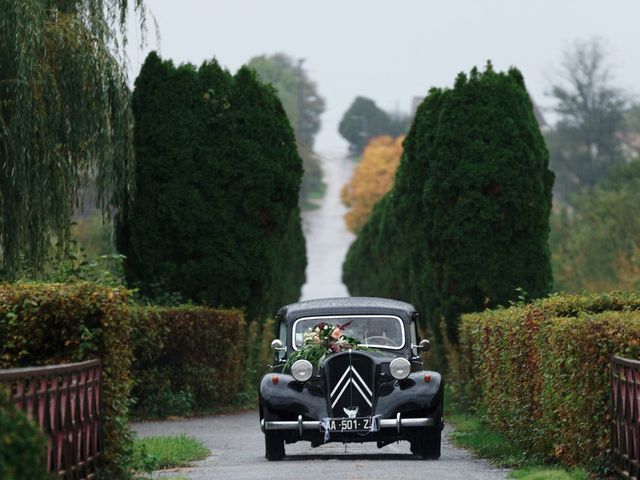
(625, 417)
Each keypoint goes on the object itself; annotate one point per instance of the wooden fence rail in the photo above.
(625, 433)
(64, 400)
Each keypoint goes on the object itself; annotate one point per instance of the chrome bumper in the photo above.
(302, 425)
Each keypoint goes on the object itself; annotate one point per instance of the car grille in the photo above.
(350, 384)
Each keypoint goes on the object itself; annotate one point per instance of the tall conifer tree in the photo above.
(467, 221)
(215, 217)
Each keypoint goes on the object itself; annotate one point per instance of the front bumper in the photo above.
(302, 425)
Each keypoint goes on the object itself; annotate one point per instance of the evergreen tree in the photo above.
(486, 198)
(467, 221)
(215, 217)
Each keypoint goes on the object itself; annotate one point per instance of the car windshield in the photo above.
(376, 331)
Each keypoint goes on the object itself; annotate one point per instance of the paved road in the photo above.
(237, 447)
(326, 233)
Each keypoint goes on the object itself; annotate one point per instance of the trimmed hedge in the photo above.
(22, 445)
(186, 358)
(541, 372)
(44, 324)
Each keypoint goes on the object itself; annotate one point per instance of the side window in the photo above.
(414, 337)
(282, 335)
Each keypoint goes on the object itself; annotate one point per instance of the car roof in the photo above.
(345, 306)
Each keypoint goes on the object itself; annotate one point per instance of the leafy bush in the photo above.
(186, 358)
(22, 445)
(541, 372)
(467, 220)
(43, 324)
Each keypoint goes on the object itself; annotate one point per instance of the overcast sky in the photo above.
(393, 51)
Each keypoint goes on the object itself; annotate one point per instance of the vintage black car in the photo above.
(378, 394)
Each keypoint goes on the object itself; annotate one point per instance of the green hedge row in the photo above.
(541, 372)
(170, 360)
(186, 358)
(44, 324)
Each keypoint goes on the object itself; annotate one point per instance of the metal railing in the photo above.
(625, 432)
(64, 401)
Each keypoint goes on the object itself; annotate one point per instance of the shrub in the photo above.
(541, 372)
(215, 215)
(22, 445)
(466, 222)
(43, 324)
(186, 358)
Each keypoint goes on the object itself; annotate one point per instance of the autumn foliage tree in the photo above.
(372, 178)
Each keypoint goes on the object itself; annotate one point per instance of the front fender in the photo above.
(288, 395)
(412, 394)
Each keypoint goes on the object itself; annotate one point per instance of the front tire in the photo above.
(429, 441)
(273, 439)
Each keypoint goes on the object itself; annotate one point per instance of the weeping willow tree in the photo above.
(65, 120)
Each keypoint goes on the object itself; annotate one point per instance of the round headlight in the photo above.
(302, 370)
(400, 368)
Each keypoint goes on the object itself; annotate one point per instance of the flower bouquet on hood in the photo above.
(324, 339)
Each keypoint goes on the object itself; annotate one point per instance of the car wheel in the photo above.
(273, 439)
(429, 441)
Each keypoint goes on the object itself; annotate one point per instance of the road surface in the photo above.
(326, 233)
(237, 453)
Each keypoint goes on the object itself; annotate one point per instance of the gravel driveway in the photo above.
(237, 447)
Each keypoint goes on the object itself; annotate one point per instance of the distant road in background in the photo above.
(326, 233)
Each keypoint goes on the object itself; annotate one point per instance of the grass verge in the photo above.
(158, 453)
(473, 434)
(542, 473)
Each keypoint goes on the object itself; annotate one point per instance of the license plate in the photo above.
(359, 424)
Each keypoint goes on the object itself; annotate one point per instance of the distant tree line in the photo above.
(594, 148)
(466, 224)
(595, 121)
(365, 120)
(215, 216)
(304, 106)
